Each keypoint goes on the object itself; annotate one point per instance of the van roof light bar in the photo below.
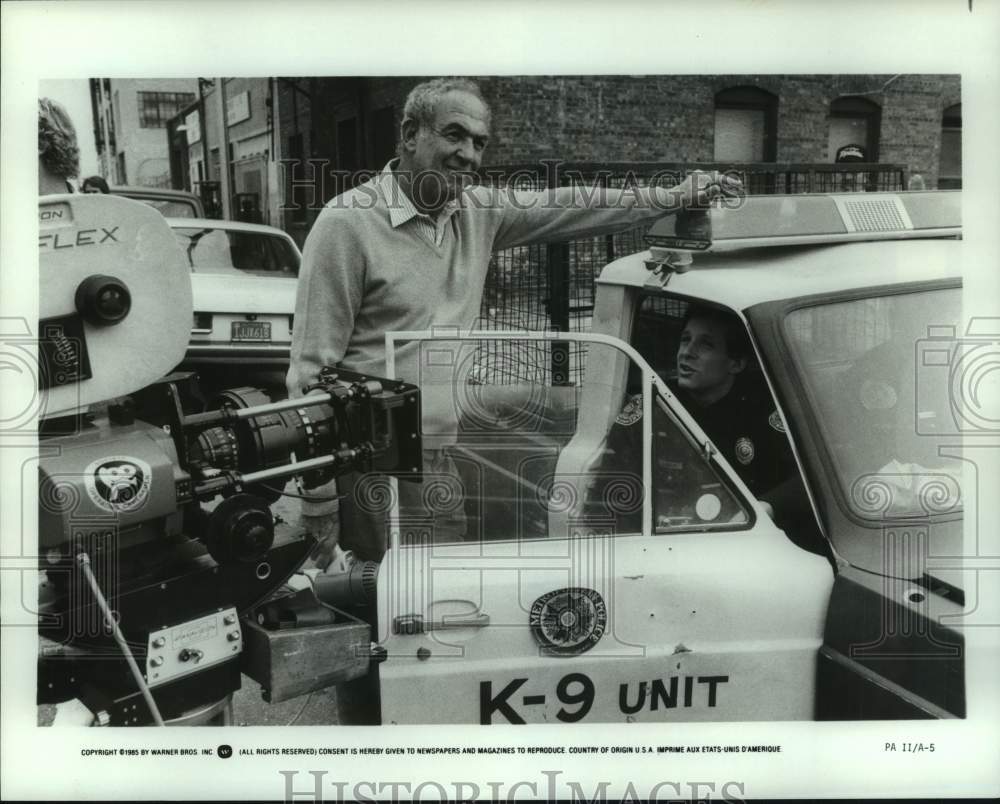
(786, 220)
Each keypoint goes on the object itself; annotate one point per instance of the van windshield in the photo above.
(879, 375)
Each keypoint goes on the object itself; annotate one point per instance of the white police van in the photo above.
(665, 591)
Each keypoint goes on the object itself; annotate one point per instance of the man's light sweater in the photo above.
(363, 276)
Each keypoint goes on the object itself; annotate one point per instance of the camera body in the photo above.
(156, 536)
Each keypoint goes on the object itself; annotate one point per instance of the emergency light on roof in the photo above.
(779, 220)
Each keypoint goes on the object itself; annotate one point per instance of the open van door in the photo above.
(589, 586)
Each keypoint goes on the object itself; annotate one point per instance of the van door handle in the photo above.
(410, 624)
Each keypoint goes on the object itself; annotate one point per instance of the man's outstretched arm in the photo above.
(568, 213)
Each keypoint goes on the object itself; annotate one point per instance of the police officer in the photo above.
(734, 407)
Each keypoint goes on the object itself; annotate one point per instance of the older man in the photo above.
(409, 250)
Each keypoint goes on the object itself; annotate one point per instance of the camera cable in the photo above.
(84, 561)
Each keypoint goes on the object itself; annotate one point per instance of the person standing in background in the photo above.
(58, 151)
(94, 184)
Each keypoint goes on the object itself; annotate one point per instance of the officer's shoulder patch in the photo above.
(775, 421)
(631, 411)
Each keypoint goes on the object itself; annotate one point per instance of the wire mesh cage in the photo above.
(552, 287)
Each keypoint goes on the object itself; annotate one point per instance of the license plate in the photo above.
(257, 331)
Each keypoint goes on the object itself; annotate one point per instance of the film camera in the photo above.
(156, 536)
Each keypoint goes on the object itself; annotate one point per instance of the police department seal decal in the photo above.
(631, 411)
(118, 483)
(775, 421)
(568, 621)
(744, 450)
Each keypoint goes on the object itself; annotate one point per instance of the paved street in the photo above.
(316, 709)
(249, 709)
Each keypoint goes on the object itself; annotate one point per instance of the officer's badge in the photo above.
(631, 411)
(775, 421)
(744, 450)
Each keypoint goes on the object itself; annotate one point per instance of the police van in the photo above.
(597, 583)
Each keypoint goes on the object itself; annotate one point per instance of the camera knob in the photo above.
(252, 534)
(240, 528)
(103, 300)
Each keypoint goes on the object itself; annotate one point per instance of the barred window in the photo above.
(156, 108)
(746, 122)
(853, 121)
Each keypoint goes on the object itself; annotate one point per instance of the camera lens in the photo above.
(103, 300)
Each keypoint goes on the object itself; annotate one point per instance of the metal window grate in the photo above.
(882, 215)
(522, 293)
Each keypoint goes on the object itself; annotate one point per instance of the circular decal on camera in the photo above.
(118, 483)
(775, 421)
(631, 411)
(744, 450)
(568, 621)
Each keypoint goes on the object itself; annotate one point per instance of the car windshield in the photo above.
(878, 374)
(226, 250)
(171, 208)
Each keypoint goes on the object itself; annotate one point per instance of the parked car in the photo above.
(243, 280)
(169, 203)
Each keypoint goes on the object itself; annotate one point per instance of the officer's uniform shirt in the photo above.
(744, 426)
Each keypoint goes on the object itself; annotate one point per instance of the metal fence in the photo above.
(551, 287)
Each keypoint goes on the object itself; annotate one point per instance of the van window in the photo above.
(705, 356)
(881, 374)
(508, 461)
(689, 493)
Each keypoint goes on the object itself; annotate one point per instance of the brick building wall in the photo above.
(615, 119)
(671, 118)
(636, 118)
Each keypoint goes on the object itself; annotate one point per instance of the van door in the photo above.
(868, 377)
(604, 576)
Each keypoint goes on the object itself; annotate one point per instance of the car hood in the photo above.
(227, 292)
